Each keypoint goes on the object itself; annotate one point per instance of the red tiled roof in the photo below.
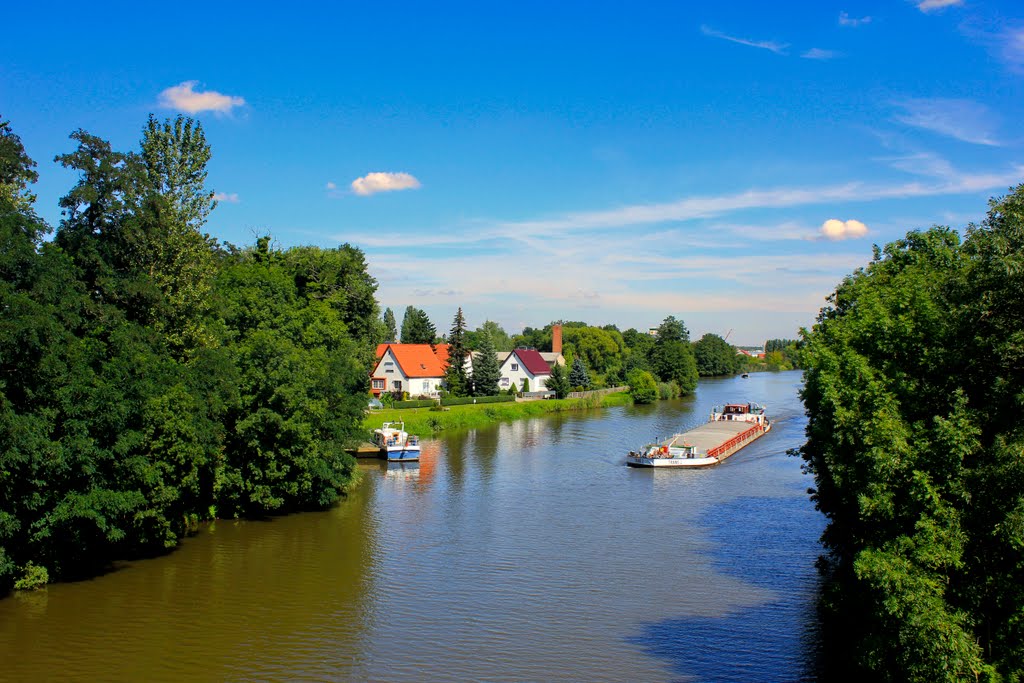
(418, 360)
(533, 361)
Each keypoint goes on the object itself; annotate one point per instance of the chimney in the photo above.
(556, 338)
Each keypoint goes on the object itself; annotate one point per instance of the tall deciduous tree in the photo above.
(714, 356)
(455, 376)
(174, 157)
(672, 356)
(486, 370)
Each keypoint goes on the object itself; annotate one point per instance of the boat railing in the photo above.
(735, 441)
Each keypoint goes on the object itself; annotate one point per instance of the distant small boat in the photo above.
(744, 375)
(397, 444)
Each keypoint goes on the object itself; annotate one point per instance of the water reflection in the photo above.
(527, 551)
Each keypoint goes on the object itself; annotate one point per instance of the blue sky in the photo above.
(610, 162)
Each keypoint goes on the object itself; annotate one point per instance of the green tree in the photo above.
(579, 377)
(456, 378)
(642, 387)
(558, 381)
(714, 356)
(390, 326)
(486, 370)
(672, 356)
(908, 373)
(417, 328)
(499, 337)
(174, 157)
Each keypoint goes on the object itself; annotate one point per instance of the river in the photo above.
(523, 552)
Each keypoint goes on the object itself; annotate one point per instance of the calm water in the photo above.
(525, 552)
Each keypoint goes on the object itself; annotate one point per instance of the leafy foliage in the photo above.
(714, 356)
(672, 356)
(914, 373)
(150, 378)
(642, 387)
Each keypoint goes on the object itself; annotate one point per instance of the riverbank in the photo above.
(425, 421)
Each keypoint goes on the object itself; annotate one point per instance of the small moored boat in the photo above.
(396, 444)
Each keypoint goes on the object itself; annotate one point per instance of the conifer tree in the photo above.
(455, 376)
(390, 326)
(579, 377)
(417, 328)
(486, 371)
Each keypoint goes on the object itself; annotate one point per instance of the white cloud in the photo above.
(183, 97)
(330, 186)
(929, 5)
(372, 183)
(922, 163)
(818, 53)
(229, 197)
(1012, 48)
(963, 120)
(853, 22)
(835, 229)
(777, 48)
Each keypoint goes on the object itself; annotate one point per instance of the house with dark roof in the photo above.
(525, 364)
(415, 368)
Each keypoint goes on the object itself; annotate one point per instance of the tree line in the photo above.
(151, 377)
(914, 384)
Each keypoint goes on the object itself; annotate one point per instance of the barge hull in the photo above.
(714, 441)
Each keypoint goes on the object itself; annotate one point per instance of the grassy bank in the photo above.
(424, 421)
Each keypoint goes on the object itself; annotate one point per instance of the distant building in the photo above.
(525, 364)
(415, 368)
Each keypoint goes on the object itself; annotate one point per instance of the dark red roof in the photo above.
(533, 361)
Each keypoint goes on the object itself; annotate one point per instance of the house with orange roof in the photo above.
(414, 368)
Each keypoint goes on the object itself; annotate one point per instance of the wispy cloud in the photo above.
(772, 46)
(819, 53)
(372, 183)
(330, 186)
(229, 197)
(835, 229)
(853, 22)
(1011, 47)
(539, 235)
(963, 120)
(184, 97)
(932, 5)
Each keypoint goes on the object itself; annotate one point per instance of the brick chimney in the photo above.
(556, 338)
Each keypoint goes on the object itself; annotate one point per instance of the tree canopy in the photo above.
(912, 371)
(417, 328)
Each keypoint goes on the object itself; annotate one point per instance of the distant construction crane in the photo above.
(726, 337)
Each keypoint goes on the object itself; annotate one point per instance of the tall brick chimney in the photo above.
(556, 338)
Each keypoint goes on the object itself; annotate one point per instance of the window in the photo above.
(515, 367)
(426, 385)
(397, 385)
(504, 381)
(389, 366)
(378, 384)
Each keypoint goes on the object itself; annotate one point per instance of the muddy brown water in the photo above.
(523, 552)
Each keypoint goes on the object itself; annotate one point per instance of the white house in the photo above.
(525, 364)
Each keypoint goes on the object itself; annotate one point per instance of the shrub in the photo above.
(423, 403)
(512, 391)
(463, 400)
(642, 387)
(667, 390)
(34, 578)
